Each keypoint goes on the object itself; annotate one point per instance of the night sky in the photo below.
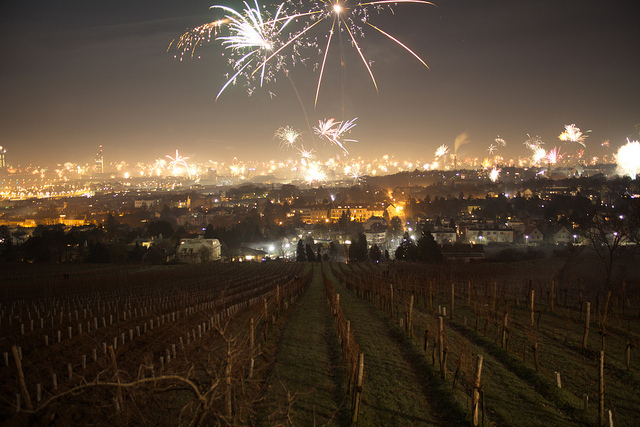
(79, 73)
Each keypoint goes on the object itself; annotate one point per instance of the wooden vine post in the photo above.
(251, 336)
(505, 329)
(601, 389)
(23, 384)
(476, 392)
(410, 318)
(440, 340)
(391, 299)
(355, 404)
(453, 294)
(533, 320)
(227, 399)
(585, 335)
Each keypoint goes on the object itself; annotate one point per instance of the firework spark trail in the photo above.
(334, 131)
(179, 160)
(189, 41)
(572, 133)
(628, 159)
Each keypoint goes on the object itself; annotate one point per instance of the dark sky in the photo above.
(78, 73)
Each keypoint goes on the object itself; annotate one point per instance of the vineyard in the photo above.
(316, 344)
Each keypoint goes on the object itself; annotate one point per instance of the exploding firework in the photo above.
(492, 149)
(553, 156)
(258, 42)
(441, 151)
(534, 143)
(494, 174)
(351, 20)
(236, 168)
(287, 136)
(253, 36)
(572, 133)
(305, 155)
(334, 131)
(177, 161)
(500, 141)
(354, 171)
(628, 159)
(313, 173)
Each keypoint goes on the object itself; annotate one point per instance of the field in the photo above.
(316, 344)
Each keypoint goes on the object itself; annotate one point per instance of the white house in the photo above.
(444, 235)
(484, 235)
(562, 235)
(533, 236)
(199, 250)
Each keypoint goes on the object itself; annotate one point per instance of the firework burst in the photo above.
(572, 133)
(306, 155)
(628, 159)
(177, 161)
(287, 136)
(334, 131)
(500, 141)
(441, 151)
(492, 149)
(494, 174)
(313, 173)
(554, 155)
(258, 42)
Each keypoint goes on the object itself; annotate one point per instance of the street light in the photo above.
(526, 240)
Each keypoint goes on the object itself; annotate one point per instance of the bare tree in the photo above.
(604, 235)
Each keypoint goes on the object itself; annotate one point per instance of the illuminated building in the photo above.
(99, 160)
(2, 162)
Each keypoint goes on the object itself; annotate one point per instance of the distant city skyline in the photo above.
(79, 75)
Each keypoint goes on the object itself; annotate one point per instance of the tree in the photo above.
(333, 250)
(358, 248)
(428, 249)
(395, 228)
(603, 235)
(160, 228)
(205, 253)
(407, 250)
(375, 254)
(310, 255)
(300, 254)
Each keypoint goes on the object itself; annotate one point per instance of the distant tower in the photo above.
(99, 160)
(2, 163)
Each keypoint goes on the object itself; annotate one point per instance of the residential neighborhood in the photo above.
(209, 224)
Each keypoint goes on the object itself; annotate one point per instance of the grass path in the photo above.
(306, 386)
(399, 388)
